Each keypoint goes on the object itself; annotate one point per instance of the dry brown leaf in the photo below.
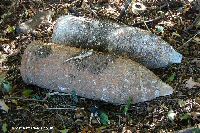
(196, 39)
(195, 115)
(3, 106)
(191, 84)
(197, 61)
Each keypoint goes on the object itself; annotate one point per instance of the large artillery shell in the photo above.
(140, 45)
(93, 75)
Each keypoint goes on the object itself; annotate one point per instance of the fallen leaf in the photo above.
(104, 119)
(3, 106)
(197, 61)
(64, 130)
(186, 8)
(163, 106)
(4, 40)
(160, 29)
(191, 84)
(171, 78)
(14, 101)
(195, 115)
(197, 40)
(7, 87)
(27, 92)
(4, 127)
(171, 115)
(181, 103)
(197, 21)
(3, 57)
(124, 130)
(185, 116)
(37, 97)
(10, 29)
(101, 128)
(176, 34)
(127, 106)
(2, 78)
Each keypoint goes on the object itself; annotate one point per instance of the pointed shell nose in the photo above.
(175, 57)
(165, 90)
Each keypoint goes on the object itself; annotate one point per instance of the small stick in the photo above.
(58, 93)
(81, 56)
(186, 43)
(144, 22)
(24, 99)
(73, 108)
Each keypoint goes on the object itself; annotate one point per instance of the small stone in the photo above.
(94, 121)
(138, 7)
(140, 45)
(98, 76)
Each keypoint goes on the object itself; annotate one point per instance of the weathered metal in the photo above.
(94, 75)
(146, 48)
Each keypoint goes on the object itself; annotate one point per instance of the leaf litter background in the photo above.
(177, 22)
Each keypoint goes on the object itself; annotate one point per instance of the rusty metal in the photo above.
(91, 74)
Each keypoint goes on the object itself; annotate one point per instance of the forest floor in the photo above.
(27, 106)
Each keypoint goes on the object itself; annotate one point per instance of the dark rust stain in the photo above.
(43, 51)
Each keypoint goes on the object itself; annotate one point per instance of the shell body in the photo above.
(97, 76)
(146, 48)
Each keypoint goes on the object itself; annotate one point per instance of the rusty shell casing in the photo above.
(144, 47)
(98, 76)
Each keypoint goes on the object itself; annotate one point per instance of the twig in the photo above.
(72, 108)
(149, 21)
(186, 43)
(81, 56)
(24, 99)
(58, 93)
(119, 121)
(144, 22)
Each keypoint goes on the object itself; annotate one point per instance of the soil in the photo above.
(34, 109)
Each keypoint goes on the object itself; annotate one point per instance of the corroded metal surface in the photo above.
(91, 74)
(142, 46)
